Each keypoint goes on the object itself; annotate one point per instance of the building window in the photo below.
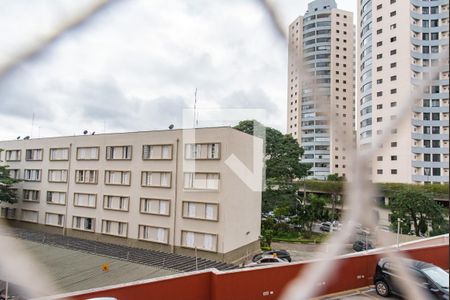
(86, 176)
(393, 91)
(14, 173)
(116, 202)
(88, 153)
(32, 175)
(57, 176)
(379, 6)
(393, 52)
(379, 31)
(393, 144)
(156, 179)
(393, 26)
(117, 177)
(379, 19)
(200, 210)
(154, 234)
(56, 198)
(394, 171)
(379, 158)
(33, 154)
(83, 223)
(393, 104)
(436, 157)
(201, 181)
(155, 206)
(59, 153)
(379, 171)
(202, 151)
(12, 155)
(393, 78)
(31, 195)
(379, 106)
(198, 240)
(393, 13)
(8, 213)
(115, 228)
(157, 152)
(30, 216)
(436, 143)
(393, 157)
(436, 172)
(85, 200)
(379, 119)
(393, 65)
(54, 219)
(118, 152)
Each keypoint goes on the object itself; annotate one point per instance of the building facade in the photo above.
(321, 100)
(401, 43)
(166, 190)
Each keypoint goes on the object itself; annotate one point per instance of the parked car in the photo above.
(282, 254)
(433, 280)
(267, 260)
(362, 245)
(325, 226)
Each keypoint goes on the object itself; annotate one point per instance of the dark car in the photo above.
(432, 279)
(326, 226)
(282, 254)
(362, 246)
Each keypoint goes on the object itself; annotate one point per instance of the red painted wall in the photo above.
(267, 283)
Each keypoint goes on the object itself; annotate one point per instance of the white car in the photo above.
(267, 260)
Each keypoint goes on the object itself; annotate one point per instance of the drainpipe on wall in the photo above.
(175, 198)
(67, 191)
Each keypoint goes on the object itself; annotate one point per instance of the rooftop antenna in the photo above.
(195, 109)
(32, 124)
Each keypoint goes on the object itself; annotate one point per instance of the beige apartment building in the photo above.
(321, 99)
(401, 42)
(168, 190)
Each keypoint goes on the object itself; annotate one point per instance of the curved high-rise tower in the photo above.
(321, 96)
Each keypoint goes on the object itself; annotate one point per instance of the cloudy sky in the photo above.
(136, 65)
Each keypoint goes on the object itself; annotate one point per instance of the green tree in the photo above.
(282, 165)
(417, 207)
(7, 194)
(310, 211)
(336, 186)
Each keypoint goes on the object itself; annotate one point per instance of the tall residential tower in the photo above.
(400, 42)
(321, 96)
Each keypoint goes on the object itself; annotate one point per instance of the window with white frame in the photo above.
(14, 173)
(86, 176)
(114, 228)
(200, 210)
(118, 152)
(117, 177)
(56, 198)
(202, 151)
(8, 213)
(59, 153)
(155, 206)
(85, 200)
(156, 179)
(87, 153)
(54, 219)
(157, 152)
(154, 234)
(31, 195)
(57, 175)
(12, 155)
(116, 202)
(30, 216)
(83, 223)
(32, 175)
(33, 154)
(201, 181)
(201, 241)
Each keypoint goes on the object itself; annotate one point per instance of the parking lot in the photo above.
(368, 293)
